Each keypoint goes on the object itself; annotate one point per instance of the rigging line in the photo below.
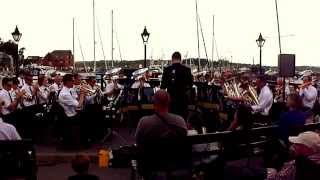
(101, 43)
(84, 62)
(118, 43)
(203, 40)
(216, 47)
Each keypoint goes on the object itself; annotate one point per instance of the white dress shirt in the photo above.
(28, 89)
(137, 84)
(75, 91)
(68, 101)
(7, 99)
(8, 132)
(309, 96)
(54, 88)
(265, 101)
(43, 94)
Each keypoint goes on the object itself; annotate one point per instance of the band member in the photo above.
(92, 107)
(113, 88)
(308, 93)
(279, 90)
(56, 86)
(140, 83)
(43, 93)
(265, 97)
(177, 79)
(9, 104)
(30, 92)
(70, 107)
(91, 86)
(77, 86)
(15, 91)
(69, 103)
(29, 107)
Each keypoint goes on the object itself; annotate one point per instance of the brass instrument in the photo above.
(88, 90)
(138, 74)
(305, 85)
(233, 91)
(254, 95)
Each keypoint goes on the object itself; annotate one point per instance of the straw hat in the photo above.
(309, 139)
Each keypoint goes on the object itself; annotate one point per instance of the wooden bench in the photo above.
(18, 160)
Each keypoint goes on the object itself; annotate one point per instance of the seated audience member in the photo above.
(293, 118)
(306, 144)
(241, 119)
(8, 131)
(159, 139)
(80, 164)
(153, 127)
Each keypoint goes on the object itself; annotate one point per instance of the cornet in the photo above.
(88, 91)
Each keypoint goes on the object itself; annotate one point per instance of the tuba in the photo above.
(233, 90)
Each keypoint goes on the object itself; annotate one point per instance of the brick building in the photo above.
(59, 59)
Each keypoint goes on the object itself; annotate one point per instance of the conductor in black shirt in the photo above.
(177, 79)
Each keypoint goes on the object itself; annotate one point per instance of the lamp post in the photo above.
(16, 36)
(145, 37)
(260, 42)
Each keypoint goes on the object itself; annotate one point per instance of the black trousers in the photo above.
(179, 106)
(70, 130)
(27, 121)
(92, 121)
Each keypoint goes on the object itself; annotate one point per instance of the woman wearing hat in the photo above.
(306, 144)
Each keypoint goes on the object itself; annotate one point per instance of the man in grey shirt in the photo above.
(161, 141)
(153, 127)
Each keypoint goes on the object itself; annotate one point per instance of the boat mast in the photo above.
(212, 53)
(94, 35)
(73, 52)
(112, 49)
(198, 42)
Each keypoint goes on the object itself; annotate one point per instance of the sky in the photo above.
(46, 25)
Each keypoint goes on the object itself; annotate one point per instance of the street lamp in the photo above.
(260, 42)
(145, 37)
(16, 36)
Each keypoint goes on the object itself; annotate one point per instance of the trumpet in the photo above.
(305, 85)
(88, 91)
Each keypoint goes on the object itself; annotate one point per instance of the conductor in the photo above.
(177, 79)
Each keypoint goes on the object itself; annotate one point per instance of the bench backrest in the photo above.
(17, 159)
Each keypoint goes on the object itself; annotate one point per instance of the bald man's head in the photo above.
(161, 100)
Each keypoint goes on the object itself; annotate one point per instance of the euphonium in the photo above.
(254, 95)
